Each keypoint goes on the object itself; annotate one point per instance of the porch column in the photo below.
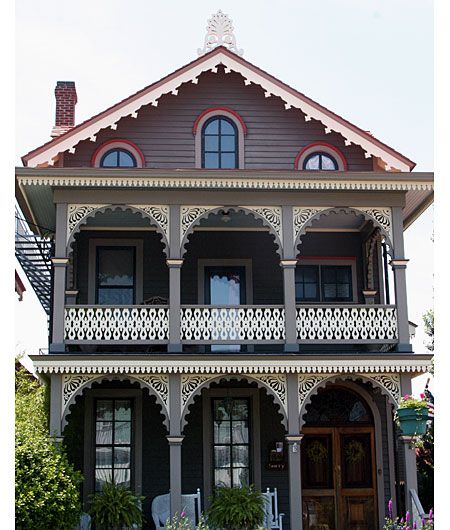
(55, 406)
(174, 262)
(175, 440)
(60, 262)
(410, 451)
(293, 440)
(398, 264)
(288, 263)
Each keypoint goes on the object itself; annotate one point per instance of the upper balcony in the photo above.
(233, 286)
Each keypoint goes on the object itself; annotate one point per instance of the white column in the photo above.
(175, 440)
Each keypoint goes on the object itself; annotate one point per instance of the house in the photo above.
(228, 301)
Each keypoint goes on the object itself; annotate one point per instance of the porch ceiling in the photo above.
(35, 187)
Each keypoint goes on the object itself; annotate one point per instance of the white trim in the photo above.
(198, 136)
(321, 148)
(109, 146)
(150, 97)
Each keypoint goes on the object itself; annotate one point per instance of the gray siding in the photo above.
(164, 133)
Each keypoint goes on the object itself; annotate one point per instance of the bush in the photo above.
(47, 494)
(116, 507)
(236, 509)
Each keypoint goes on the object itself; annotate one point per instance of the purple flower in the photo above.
(402, 520)
(182, 514)
(390, 507)
(407, 517)
(415, 526)
(408, 528)
(431, 514)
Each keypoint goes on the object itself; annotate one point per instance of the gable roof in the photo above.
(88, 129)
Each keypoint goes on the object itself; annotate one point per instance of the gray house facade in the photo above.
(226, 290)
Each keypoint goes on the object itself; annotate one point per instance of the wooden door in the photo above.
(338, 478)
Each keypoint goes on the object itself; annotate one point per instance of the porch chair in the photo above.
(85, 522)
(190, 505)
(272, 519)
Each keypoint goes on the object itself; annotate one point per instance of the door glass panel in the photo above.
(359, 513)
(356, 461)
(317, 462)
(318, 513)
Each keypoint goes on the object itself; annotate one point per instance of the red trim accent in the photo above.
(218, 109)
(337, 258)
(117, 140)
(319, 144)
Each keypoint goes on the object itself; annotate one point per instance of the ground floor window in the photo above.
(231, 442)
(113, 442)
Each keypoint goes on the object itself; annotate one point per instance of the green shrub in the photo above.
(236, 509)
(47, 494)
(115, 507)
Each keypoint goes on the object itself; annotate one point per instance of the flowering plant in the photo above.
(410, 402)
(405, 522)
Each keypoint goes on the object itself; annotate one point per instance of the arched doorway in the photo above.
(338, 463)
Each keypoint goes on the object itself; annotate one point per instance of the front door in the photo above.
(338, 478)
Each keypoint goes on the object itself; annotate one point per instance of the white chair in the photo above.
(190, 505)
(85, 522)
(272, 519)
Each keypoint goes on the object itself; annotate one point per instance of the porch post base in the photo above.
(175, 443)
(57, 348)
(174, 348)
(291, 348)
(404, 348)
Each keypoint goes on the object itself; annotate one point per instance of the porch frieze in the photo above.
(272, 216)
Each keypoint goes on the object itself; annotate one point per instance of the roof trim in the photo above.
(48, 152)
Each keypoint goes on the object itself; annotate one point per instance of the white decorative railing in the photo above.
(347, 323)
(108, 324)
(232, 324)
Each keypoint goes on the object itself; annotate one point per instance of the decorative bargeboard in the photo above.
(116, 324)
(225, 325)
(361, 323)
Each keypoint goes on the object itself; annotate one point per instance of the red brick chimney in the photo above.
(66, 99)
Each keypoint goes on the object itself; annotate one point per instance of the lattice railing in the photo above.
(108, 324)
(232, 324)
(347, 323)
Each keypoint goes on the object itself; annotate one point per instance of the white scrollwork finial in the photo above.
(219, 32)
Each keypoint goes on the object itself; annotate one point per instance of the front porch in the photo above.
(197, 423)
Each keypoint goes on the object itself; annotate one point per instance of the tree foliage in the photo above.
(428, 320)
(47, 494)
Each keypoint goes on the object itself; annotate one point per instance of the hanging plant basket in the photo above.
(413, 421)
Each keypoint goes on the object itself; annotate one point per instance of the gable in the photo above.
(49, 153)
(165, 136)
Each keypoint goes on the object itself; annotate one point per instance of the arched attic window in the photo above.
(320, 157)
(118, 154)
(219, 139)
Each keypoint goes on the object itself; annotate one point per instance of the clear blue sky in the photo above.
(369, 60)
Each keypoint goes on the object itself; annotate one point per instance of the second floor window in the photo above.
(320, 161)
(115, 275)
(219, 144)
(118, 158)
(323, 283)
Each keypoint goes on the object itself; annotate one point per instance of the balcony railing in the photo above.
(245, 324)
(347, 324)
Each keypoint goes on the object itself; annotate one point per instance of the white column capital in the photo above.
(399, 263)
(174, 262)
(288, 263)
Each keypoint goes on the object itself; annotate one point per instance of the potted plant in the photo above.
(116, 508)
(412, 415)
(236, 508)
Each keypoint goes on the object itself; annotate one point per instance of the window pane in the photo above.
(122, 477)
(211, 160)
(228, 143)
(329, 274)
(126, 159)
(310, 291)
(115, 266)
(105, 409)
(240, 477)
(312, 162)
(299, 291)
(122, 432)
(328, 163)
(122, 457)
(226, 127)
(107, 296)
(109, 160)
(103, 432)
(211, 143)
(329, 291)
(240, 456)
(122, 410)
(228, 160)
(221, 410)
(240, 431)
(212, 127)
(222, 477)
(222, 432)
(343, 274)
(240, 409)
(101, 477)
(343, 290)
(310, 274)
(103, 457)
(222, 456)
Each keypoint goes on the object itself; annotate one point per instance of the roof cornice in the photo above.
(130, 106)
